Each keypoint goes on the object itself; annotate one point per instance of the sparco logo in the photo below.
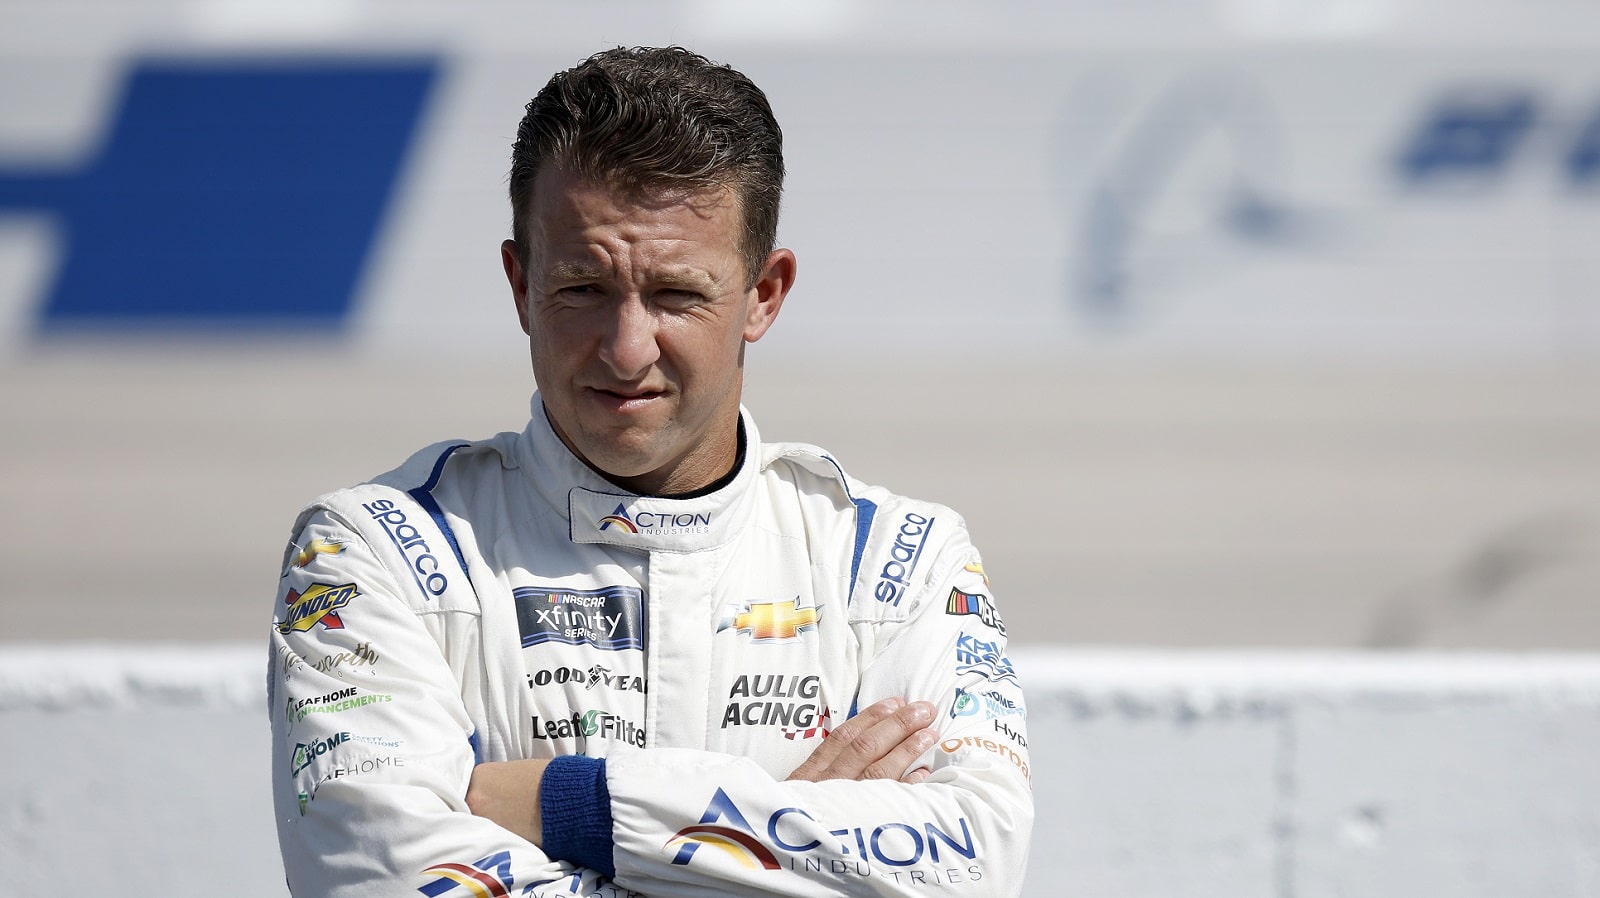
(903, 556)
(588, 725)
(408, 539)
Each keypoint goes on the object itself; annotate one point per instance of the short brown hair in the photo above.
(647, 121)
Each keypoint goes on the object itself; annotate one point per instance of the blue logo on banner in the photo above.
(228, 195)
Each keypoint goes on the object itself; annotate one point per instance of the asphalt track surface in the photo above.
(148, 493)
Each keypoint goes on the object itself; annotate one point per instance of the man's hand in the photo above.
(880, 742)
(507, 792)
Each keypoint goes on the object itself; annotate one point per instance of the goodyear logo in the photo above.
(318, 605)
(771, 621)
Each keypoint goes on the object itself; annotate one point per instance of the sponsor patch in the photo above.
(976, 604)
(779, 700)
(974, 655)
(895, 575)
(924, 853)
(301, 557)
(770, 621)
(598, 676)
(319, 604)
(952, 746)
(488, 877)
(588, 725)
(611, 618)
(991, 705)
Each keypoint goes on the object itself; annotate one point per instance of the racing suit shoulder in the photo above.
(396, 514)
(902, 544)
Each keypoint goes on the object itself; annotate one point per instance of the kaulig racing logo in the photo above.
(724, 835)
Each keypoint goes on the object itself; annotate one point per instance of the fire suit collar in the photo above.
(598, 511)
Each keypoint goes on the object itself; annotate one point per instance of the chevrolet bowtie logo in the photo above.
(771, 621)
(318, 546)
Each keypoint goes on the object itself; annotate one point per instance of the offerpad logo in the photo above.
(737, 841)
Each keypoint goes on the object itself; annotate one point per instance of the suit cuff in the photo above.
(576, 808)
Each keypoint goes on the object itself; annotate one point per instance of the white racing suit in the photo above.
(498, 600)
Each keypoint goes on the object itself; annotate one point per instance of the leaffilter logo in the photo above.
(737, 840)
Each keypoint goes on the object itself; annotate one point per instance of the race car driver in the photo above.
(633, 649)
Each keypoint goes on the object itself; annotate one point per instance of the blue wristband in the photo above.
(575, 806)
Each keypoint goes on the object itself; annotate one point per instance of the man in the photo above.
(632, 649)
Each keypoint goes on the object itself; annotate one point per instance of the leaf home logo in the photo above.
(737, 842)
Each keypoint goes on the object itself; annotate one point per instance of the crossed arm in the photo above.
(883, 741)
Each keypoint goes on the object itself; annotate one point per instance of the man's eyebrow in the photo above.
(686, 278)
(575, 271)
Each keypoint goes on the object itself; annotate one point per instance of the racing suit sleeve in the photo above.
(373, 746)
(687, 822)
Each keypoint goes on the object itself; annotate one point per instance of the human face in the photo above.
(637, 312)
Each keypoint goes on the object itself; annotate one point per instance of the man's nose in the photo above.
(629, 346)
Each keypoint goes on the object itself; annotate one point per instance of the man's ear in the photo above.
(511, 258)
(777, 277)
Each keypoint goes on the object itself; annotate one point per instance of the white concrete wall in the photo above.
(142, 771)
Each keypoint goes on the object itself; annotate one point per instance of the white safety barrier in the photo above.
(144, 770)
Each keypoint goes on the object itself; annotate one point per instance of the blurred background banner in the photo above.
(1240, 322)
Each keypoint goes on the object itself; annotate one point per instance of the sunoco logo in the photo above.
(903, 556)
(318, 605)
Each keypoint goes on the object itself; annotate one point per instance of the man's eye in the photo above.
(679, 298)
